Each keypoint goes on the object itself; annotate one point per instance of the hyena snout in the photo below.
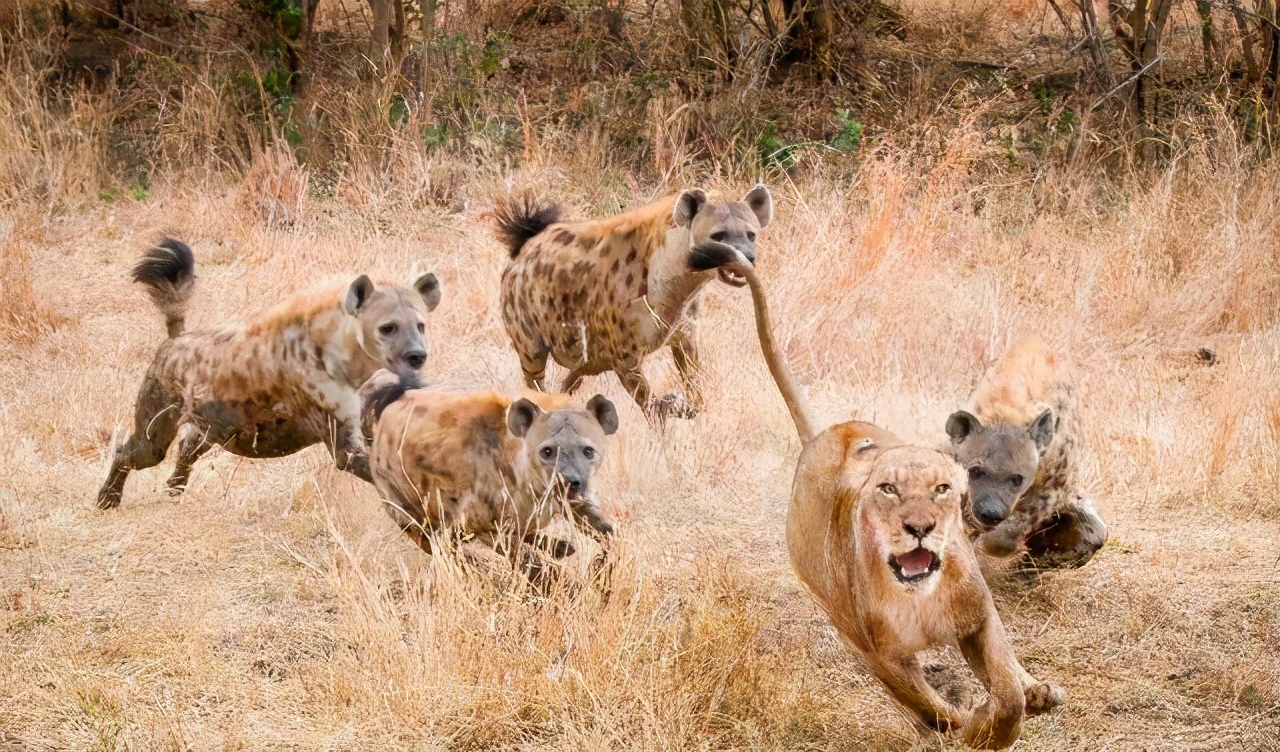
(415, 359)
(990, 511)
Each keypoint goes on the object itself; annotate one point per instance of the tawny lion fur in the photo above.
(863, 500)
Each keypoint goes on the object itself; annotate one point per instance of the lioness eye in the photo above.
(888, 489)
(941, 489)
(387, 330)
(1016, 480)
(976, 473)
(548, 453)
(589, 453)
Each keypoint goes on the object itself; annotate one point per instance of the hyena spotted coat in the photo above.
(285, 380)
(601, 295)
(1017, 440)
(484, 466)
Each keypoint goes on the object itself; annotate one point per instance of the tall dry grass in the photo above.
(274, 605)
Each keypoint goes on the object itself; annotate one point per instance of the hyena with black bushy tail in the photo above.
(269, 387)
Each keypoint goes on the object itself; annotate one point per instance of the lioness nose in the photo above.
(415, 360)
(917, 528)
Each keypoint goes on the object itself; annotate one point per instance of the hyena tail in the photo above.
(382, 390)
(521, 217)
(169, 273)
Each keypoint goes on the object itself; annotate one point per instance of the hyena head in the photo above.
(734, 223)
(1001, 460)
(393, 320)
(564, 447)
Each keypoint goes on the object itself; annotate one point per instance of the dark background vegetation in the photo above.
(738, 87)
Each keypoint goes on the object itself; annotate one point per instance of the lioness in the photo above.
(1017, 442)
(874, 531)
(285, 380)
(483, 465)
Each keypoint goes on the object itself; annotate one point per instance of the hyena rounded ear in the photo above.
(358, 294)
(1043, 429)
(429, 288)
(688, 204)
(961, 425)
(761, 202)
(605, 414)
(520, 417)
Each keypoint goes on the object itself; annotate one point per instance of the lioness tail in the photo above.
(713, 255)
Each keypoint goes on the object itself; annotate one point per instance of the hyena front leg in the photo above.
(346, 442)
(685, 354)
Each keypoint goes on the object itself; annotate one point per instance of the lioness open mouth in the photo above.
(730, 277)
(914, 565)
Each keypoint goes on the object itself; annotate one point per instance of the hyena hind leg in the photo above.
(145, 448)
(192, 444)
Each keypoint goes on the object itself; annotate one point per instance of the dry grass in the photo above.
(274, 606)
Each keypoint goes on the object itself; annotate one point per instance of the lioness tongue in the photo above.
(915, 562)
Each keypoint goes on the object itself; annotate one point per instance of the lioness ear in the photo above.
(688, 204)
(357, 294)
(961, 425)
(1042, 430)
(602, 409)
(429, 288)
(520, 416)
(761, 202)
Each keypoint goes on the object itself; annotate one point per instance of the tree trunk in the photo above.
(379, 35)
(809, 38)
(428, 9)
(398, 32)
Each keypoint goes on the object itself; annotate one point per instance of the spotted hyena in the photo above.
(281, 382)
(1017, 441)
(601, 295)
(487, 467)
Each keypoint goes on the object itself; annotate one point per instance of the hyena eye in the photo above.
(589, 453)
(888, 489)
(1016, 480)
(941, 489)
(422, 328)
(548, 453)
(719, 236)
(751, 236)
(387, 330)
(976, 472)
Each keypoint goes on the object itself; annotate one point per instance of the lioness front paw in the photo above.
(1042, 698)
(992, 727)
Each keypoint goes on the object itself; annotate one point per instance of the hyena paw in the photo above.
(674, 406)
(108, 499)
